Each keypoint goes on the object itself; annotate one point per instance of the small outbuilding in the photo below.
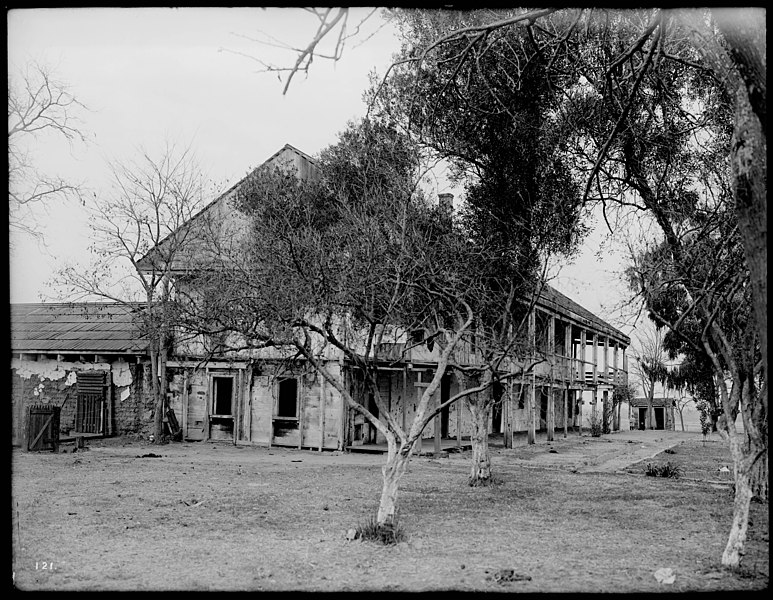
(662, 416)
(88, 359)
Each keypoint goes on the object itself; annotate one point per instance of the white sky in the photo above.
(149, 75)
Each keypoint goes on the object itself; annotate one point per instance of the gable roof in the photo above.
(197, 232)
(305, 166)
(78, 327)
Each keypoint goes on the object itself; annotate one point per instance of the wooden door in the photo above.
(196, 411)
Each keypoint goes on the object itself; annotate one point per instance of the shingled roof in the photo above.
(82, 327)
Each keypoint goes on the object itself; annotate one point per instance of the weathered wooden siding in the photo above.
(196, 413)
(261, 409)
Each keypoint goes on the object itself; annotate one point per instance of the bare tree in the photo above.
(650, 367)
(139, 236)
(38, 106)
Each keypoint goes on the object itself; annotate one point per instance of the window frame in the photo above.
(214, 379)
(278, 390)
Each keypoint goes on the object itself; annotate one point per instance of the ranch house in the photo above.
(255, 398)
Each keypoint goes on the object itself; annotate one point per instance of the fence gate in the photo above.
(92, 410)
(43, 427)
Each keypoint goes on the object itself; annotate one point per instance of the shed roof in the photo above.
(86, 327)
(552, 299)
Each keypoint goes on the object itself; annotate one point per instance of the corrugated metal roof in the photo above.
(88, 327)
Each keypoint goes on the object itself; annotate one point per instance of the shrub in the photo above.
(596, 425)
(387, 534)
(666, 470)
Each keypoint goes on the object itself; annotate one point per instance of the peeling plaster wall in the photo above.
(50, 381)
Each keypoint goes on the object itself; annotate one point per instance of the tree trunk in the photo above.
(155, 391)
(650, 409)
(731, 557)
(161, 398)
(392, 472)
(480, 473)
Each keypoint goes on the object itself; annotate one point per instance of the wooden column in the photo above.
(565, 394)
(550, 417)
(322, 413)
(184, 416)
(551, 408)
(405, 396)
(301, 381)
(458, 405)
(532, 431)
(509, 415)
(436, 422)
(419, 385)
(531, 428)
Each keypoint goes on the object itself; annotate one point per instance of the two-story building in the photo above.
(256, 398)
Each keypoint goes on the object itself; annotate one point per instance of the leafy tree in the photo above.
(725, 45)
(521, 202)
(348, 263)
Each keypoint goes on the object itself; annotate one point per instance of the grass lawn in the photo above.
(208, 516)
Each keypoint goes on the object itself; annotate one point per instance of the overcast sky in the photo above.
(152, 75)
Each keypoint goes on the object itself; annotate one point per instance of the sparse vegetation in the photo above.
(267, 529)
(596, 425)
(387, 534)
(666, 470)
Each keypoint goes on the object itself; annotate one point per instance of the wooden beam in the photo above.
(565, 394)
(405, 395)
(436, 420)
(532, 433)
(322, 414)
(550, 417)
(299, 391)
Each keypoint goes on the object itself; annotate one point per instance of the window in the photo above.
(287, 406)
(222, 395)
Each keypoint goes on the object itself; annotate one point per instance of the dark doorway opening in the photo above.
(660, 422)
(445, 394)
(496, 412)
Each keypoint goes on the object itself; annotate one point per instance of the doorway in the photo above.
(221, 420)
(445, 394)
(642, 418)
(660, 421)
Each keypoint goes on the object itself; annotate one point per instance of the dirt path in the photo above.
(586, 454)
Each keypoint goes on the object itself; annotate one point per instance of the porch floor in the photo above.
(70, 437)
(427, 446)
(495, 440)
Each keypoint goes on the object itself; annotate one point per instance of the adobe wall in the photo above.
(50, 381)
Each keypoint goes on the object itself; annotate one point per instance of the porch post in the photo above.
(565, 394)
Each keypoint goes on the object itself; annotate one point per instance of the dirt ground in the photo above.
(573, 515)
